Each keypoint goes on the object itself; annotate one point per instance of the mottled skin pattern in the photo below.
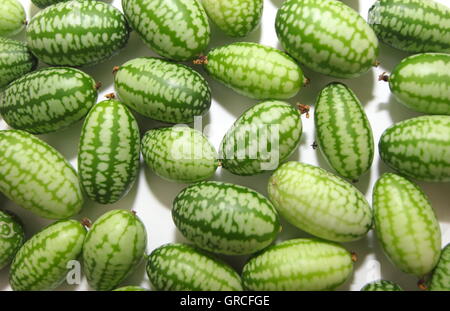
(343, 131)
(37, 177)
(114, 246)
(179, 154)
(12, 17)
(319, 202)
(236, 18)
(422, 83)
(162, 90)
(45, 3)
(176, 29)
(108, 153)
(181, 267)
(241, 149)
(12, 237)
(48, 100)
(406, 225)
(327, 36)
(225, 218)
(414, 26)
(16, 60)
(130, 289)
(440, 280)
(77, 33)
(381, 286)
(298, 265)
(42, 262)
(419, 148)
(255, 70)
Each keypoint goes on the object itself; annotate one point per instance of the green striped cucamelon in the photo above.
(440, 280)
(130, 289)
(236, 18)
(225, 218)
(12, 17)
(37, 177)
(175, 29)
(108, 153)
(162, 90)
(48, 100)
(77, 33)
(419, 148)
(422, 83)
(381, 286)
(343, 131)
(406, 225)
(43, 261)
(414, 26)
(114, 246)
(16, 60)
(45, 3)
(12, 237)
(319, 202)
(179, 154)
(327, 36)
(181, 267)
(255, 70)
(263, 137)
(298, 265)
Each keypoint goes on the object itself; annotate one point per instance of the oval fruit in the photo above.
(327, 36)
(343, 131)
(176, 29)
(419, 148)
(12, 17)
(319, 202)
(48, 100)
(130, 289)
(263, 137)
(77, 33)
(37, 177)
(114, 246)
(406, 225)
(414, 26)
(108, 153)
(16, 60)
(180, 267)
(236, 18)
(381, 286)
(42, 262)
(440, 280)
(422, 83)
(12, 237)
(225, 218)
(298, 265)
(255, 70)
(179, 154)
(162, 90)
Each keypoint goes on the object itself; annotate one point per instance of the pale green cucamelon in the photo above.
(440, 280)
(12, 17)
(381, 286)
(12, 237)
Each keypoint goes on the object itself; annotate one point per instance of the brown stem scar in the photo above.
(422, 284)
(201, 60)
(383, 77)
(115, 69)
(376, 63)
(304, 109)
(98, 85)
(306, 82)
(86, 222)
(354, 257)
(110, 96)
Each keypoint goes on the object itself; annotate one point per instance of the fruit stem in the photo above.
(115, 69)
(219, 163)
(134, 212)
(306, 82)
(98, 85)
(354, 257)
(383, 77)
(376, 63)
(304, 109)
(422, 284)
(110, 96)
(86, 222)
(201, 60)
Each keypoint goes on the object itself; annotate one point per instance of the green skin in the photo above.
(282, 138)
(114, 246)
(130, 289)
(225, 218)
(298, 265)
(179, 154)
(381, 286)
(42, 262)
(406, 225)
(16, 60)
(181, 267)
(414, 26)
(422, 82)
(45, 3)
(418, 148)
(440, 280)
(48, 100)
(108, 153)
(12, 237)
(12, 17)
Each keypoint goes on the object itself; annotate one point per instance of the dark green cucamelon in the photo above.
(381, 286)
(225, 218)
(48, 100)
(45, 3)
(162, 90)
(12, 18)
(181, 267)
(108, 153)
(12, 237)
(440, 280)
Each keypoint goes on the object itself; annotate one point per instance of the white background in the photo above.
(151, 197)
